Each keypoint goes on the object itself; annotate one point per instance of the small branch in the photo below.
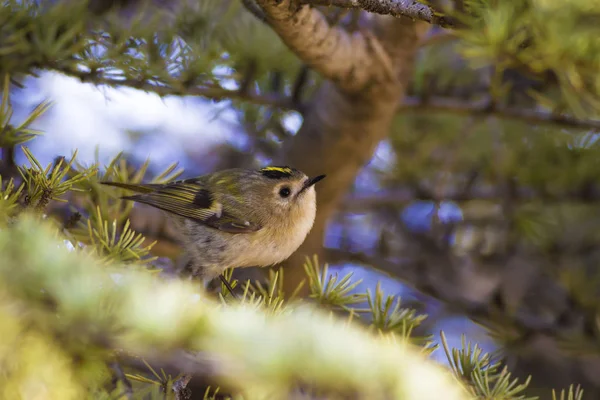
(215, 93)
(8, 166)
(249, 75)
(212, 93)
(482, 108)
(299, 85)
(403, 196)
(119, 376)
(180, 388)
(396, 8)
(72, 221)
(254, 9)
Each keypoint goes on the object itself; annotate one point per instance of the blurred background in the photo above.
(195, 133)
(475, 198)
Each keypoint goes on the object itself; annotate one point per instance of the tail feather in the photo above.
(135, 187)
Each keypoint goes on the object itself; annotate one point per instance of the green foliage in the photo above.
(213, 49)
(485, 127)
(89, 305)
(9, 196)
(74, 307)
(126, 246)
(178, 51)
(46, 184)
(387, 315)
(97, 303)
(69, 295)
(271, 298)
(14, 135)
(327, 290)
(574, 393)
(148, 386)
(66, 315)
(540, 36)
(483, 376)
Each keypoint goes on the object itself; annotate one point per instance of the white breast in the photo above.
(272, 245)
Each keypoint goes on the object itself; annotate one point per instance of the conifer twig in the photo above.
(214, 92)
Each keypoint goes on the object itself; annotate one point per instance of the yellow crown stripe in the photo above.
(283, 170)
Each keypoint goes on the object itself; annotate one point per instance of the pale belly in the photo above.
(263, 248)
(214, 251)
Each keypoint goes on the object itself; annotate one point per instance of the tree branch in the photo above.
(396, 8)
(410, 104)
(349, 60)
(214, 92)
(482, 108)
(403, 196)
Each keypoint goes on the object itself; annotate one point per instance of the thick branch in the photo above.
(396, 8)
(473, 108)
(351, 61)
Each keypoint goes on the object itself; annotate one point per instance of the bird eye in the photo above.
(285, 191)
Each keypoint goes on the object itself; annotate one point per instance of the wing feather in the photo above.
(189, 199)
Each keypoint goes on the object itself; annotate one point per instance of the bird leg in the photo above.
(228, 286)
(186, 269)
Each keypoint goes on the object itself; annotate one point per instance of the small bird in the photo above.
(235, 217)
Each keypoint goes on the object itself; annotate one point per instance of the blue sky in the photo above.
(84, 116)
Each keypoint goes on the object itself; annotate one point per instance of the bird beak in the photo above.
(311, 182)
